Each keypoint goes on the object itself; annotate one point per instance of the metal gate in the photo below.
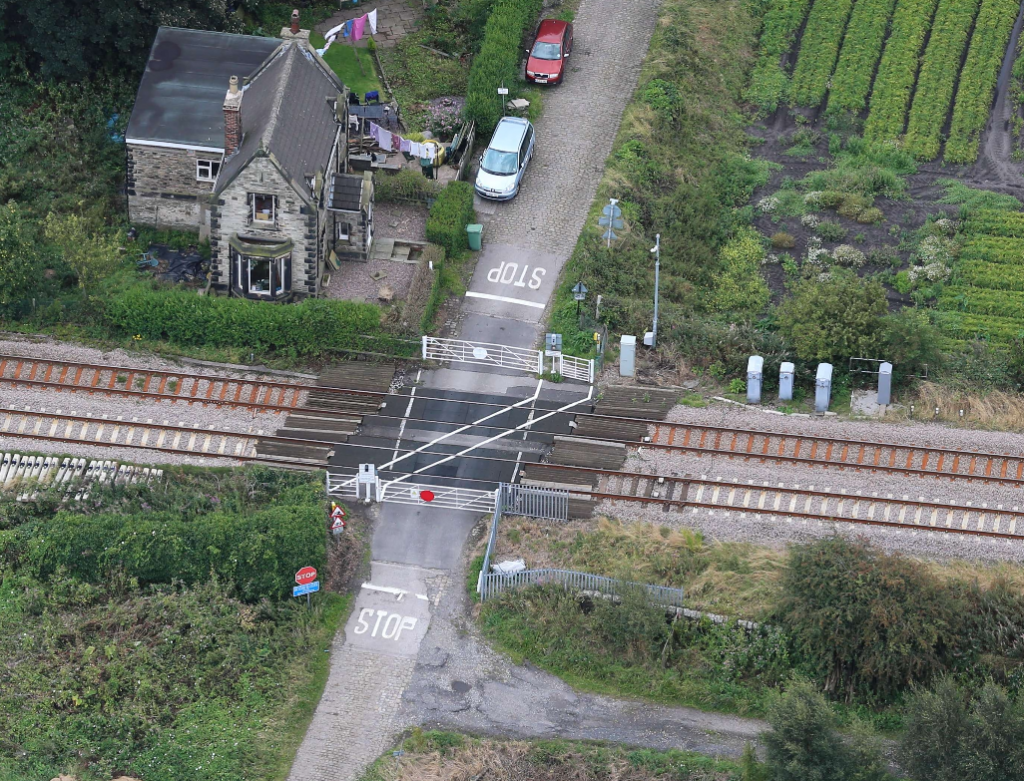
(573, 368)
(550, 504)
(483, 354)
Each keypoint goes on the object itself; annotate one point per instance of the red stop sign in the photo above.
(427, 496)
(305, 575)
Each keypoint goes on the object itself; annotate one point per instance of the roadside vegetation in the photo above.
(122, 654)
(458, 757)
(866, 627)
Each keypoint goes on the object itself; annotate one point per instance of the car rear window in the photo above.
(547, 51)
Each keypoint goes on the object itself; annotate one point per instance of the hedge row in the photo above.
(449, 216)
(403, 186)
(769, 82)
(310, 328)
(982, 301)
(978, 79)
(498, 61)
(862, 47)
(890, 96)
(939, 71)
(257, 552)
(819, 50)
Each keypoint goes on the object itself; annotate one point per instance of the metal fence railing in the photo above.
(492, 583)
(547, 503)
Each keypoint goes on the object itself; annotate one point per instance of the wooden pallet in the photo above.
(577, 451)
(631, 402)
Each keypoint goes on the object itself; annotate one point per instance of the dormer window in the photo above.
(264, 209)
(207, 170)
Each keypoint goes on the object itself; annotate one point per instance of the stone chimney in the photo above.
(293, 32)
(232, 118)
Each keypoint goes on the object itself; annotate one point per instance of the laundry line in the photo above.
(353, 28)
(392, 142)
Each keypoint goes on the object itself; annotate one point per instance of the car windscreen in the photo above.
(500, 163)
(547, 51)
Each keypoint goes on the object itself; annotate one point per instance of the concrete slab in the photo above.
(510, 282)
(423, 536)
(478, 327)
(392, 611)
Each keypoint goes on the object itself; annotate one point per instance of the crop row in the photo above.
(996, 223)
(964, 325)
(819, 50)
(978, 79)
(861, 50)
(995, 276)
(982, 301)
(993, 249)
(897, 72)
(939, 71)
(769, 82)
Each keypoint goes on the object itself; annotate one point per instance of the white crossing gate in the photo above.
(483, 354)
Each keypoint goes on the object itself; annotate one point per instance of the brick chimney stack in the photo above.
(295, 22)
(232, 118)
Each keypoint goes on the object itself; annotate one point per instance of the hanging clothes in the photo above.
(347, 32)
(334, 31)
(385, 140)
(405, 145)
(357, 27)
(372, 19)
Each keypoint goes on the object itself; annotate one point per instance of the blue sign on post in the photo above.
(306, 588)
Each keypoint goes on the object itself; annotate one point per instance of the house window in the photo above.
(264, 208)
(207, 170)
(262, 276)
(343, 231)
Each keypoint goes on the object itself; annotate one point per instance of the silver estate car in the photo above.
(504, 162)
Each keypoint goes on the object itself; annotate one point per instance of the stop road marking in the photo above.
(391, 625)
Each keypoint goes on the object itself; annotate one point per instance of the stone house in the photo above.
(244, 139)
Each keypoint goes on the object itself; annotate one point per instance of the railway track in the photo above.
(27, 476)
(808, 450)
(209, 442)
(174, 386)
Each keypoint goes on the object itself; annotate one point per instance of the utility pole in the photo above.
(656, 249)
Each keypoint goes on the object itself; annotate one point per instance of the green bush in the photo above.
(405, 185)
(257, 552)
(449, 216)
(868, 624)
(310, 328)
(783, 240)
(498, 61)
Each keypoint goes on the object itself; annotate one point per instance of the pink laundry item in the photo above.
(358, 26)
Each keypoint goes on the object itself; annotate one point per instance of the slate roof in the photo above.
(345, 192)
(288, 113)
(181, 95)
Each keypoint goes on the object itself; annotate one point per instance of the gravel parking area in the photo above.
(354, 281)
(401, 221)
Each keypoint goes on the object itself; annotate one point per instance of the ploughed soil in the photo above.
(775, 140)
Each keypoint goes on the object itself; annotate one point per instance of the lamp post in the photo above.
(656, 249)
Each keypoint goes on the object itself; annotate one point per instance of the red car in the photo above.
(551, 48)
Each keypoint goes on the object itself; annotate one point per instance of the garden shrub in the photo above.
(870, 216)
(831, 231)
(783, 240)
(405, 185)
(449, 216)
(498, 61)
(310, 328)
(833, 318)
(741, 290)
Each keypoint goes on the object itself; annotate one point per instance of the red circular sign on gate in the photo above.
(305, 575)
(427, 496)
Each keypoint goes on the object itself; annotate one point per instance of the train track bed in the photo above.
(26, 477)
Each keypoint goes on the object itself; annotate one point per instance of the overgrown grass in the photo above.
(159, 681)
(679, 166)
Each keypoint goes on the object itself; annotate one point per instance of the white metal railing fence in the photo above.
(483, 354)
(492, 583)
(573, 368)
(550, 504)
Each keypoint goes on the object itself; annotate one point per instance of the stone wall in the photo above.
(295, 220)
(162, 188)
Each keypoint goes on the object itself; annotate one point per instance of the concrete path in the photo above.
(417, 586)
(528, 240)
